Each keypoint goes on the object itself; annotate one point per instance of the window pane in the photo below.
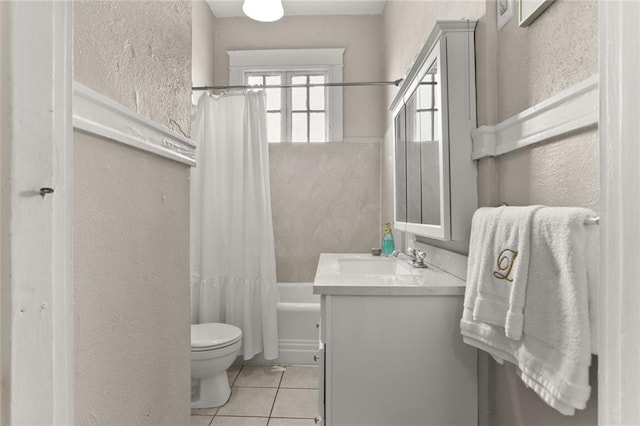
(317, 127)
(299, 127)
(273, 99)
(316, 94)
(273, 126)
(299, 79)
(273, 95)
(273, 80)
(254, 80)
(299, 95)
(299, 99)
(426, 128)
(425, 96)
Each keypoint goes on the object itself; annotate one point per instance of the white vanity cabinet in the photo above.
(434, 114)
(391, 350)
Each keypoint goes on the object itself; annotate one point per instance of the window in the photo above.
(297, 114)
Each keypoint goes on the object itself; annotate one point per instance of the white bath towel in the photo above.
(554, 355)
(504, 269)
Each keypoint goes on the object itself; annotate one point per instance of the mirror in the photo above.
(430, 141)
(418, 154)
(434, 113)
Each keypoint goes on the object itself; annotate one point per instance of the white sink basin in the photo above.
(373, 266)
(364, 274)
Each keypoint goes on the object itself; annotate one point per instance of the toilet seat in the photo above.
(209, 336)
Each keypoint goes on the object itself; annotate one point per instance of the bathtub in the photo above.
(298, 313)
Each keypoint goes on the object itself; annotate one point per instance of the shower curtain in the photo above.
(233, 272)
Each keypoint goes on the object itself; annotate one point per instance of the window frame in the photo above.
(289, 62)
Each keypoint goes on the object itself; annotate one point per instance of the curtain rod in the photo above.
(288, 86)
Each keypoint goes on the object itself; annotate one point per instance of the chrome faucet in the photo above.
(417, 258)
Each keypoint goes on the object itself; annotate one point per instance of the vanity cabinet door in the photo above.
(396, 360)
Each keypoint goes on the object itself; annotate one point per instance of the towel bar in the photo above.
(592, 221)
(587, 221)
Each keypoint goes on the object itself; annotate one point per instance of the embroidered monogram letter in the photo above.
(505, 262)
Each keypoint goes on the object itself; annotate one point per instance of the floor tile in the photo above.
(301, 377)
(239, 421)
(204, 411)
(232, 373)
(291, 422)
(260, 376)
(201, 420)
(249, 402)
(301, 403)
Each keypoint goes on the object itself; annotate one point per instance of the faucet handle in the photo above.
(418, 258)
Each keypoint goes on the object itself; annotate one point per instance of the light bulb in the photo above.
(263, 10)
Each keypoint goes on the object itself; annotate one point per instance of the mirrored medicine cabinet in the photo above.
(434, 113)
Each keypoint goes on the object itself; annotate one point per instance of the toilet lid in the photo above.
(211, 335)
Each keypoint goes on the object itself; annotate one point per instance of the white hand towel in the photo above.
(553, 356)
(502, 281)
(483, 227)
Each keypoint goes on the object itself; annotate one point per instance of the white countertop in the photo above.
(367, 275)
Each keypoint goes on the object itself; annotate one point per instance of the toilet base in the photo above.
(214, 392)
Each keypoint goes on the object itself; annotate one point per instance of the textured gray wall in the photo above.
(131, 267)
(131, 220)
(138, 53)
(557, 51)
(202, 44)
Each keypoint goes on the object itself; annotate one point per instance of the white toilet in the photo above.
(214, 347)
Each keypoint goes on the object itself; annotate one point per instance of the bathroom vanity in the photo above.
(391, 352)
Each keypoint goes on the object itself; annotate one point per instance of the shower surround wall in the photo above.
(325, 197)
(131, 220)
(515, 69)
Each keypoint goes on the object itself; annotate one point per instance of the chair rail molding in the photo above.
(570, 110)
(97, 114)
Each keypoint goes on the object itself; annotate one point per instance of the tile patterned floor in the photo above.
(266, 395)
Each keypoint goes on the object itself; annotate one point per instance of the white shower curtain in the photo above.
(233, 272)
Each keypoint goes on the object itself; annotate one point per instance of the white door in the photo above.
(37, 293)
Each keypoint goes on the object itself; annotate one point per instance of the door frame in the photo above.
(619, 291)
(37, 298)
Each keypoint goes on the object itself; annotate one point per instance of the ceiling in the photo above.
(231, 8)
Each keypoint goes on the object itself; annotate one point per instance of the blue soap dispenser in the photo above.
(388, 246)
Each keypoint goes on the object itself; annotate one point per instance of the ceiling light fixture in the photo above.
(263, 10)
